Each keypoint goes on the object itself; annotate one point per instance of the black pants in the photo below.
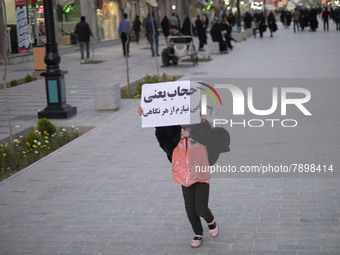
(201, 42)
(222, 45)
(87, 45)
(325, 24)
(196, 198)
(125, 40)
(166, 58)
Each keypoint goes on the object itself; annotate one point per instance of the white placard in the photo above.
(170, 103)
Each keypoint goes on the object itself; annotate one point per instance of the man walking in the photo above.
(296, 18)
(125, 31)
(83, 31)
(173, 21)
(152, 34)
(325, 15)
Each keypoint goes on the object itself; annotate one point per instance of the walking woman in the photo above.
(137, 27)
(202, 36)
(271, 23)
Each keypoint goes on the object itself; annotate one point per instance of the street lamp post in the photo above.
(54, 77)
(264, 9)
(238, 18)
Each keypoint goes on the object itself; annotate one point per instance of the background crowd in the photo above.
(220, 26)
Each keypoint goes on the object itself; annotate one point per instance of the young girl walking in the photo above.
(191, 149)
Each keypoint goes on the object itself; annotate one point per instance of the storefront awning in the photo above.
(153, 3)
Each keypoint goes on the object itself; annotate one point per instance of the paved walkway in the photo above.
(110, 191)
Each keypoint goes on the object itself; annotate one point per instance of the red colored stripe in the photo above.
(218, 96)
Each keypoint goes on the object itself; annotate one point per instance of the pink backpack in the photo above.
(190, 163)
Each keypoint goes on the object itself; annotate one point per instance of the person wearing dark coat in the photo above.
(202, 36)
(303, 21)
(313, 21)
(165, 24)
(331, 13)
(261, 23)
(226, 32)
(216, 36)
(136, 27)
(231, 19)
(337, 18)
(83, 31)
(271, 23)
(283, 18)
(288, 18)
(247, 20)
(205, 21)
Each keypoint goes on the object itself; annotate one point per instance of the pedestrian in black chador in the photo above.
(261, 23)
(83, 31)
(165, 24)
(136, 27)
(303, 20)
(313, 21)
(202, 36)
(337, 18)
(247, 20)
(271, 23)
(283, 18)
(288, 19)
(226, 33)
(216, 36)
(186, 29)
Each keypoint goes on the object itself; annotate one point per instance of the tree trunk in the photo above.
(3, 54)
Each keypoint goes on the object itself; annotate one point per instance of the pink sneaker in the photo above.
(213, 228)
(197, 241)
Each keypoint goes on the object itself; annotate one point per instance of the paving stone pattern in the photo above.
(110, 191)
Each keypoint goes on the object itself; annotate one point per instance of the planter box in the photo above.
(237, 37)
(249, 32)
(106, 96)
(67, 40)
(39, 55)
(213, 48)
(244, 35)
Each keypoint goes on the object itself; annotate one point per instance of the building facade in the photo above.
(26, 26)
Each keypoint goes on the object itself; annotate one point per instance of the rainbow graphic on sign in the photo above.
(209, 93)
